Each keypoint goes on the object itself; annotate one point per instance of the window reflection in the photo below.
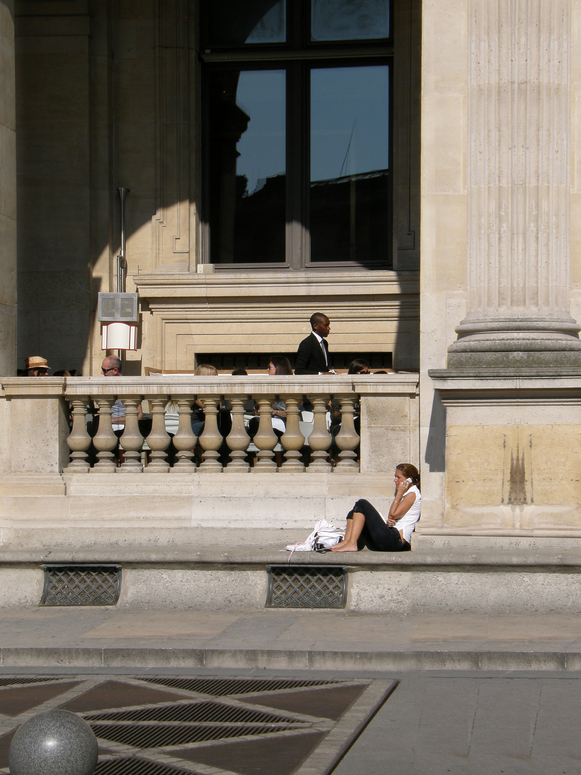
(236, 22)
(349, 19)
(247, 162)
(349, 186)
(323, 110)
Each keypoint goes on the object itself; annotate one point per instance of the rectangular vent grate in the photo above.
(81, 585)
(298, 586)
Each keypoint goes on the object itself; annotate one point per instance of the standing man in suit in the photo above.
(313, 353)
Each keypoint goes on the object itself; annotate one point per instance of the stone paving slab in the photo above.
(473, 724)
(286, 639)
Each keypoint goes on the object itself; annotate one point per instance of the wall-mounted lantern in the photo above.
(118, 314)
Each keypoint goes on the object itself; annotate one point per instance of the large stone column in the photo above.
(518, 189)
(7, 192)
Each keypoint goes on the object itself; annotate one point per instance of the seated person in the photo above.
(113, 367)
(250, 407)
(367, 527)
(198, 415)
(37, 366)
(358, 366)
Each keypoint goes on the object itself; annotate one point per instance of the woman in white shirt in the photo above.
(366, 526)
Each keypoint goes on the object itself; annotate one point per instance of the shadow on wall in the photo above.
(436, 444)
(72, 157)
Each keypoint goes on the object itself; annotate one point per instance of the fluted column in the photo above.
(518, 188)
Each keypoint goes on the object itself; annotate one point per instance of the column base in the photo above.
(526, 344)
(525, 360)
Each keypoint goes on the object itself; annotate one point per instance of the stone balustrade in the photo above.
(46, 426)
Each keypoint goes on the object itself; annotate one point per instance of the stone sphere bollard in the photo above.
(54, 743)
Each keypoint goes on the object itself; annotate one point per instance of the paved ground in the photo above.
(460, 705)
(286, 639)
(473, 724)
(433, 723)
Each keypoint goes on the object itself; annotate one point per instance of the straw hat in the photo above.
(36, 362)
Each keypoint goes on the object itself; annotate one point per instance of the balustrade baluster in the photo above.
(237, 439)
(320, 439)
(158, 439)
(131, 441)
(79, 439)
(292, 439)
(105, 440)
(210, 439)
(265, 438)
(185, 439)
(347, 439)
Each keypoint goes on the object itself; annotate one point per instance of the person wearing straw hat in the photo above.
(36, 366)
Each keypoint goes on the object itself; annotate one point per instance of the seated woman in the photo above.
(358, 366)
(367, 527)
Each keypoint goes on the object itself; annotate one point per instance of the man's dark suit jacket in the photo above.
(310, 358)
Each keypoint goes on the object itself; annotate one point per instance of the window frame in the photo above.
(404, 175)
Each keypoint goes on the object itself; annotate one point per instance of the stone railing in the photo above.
(46, 428)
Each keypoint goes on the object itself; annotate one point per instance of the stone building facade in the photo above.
(475, 285)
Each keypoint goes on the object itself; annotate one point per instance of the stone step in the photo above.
(122, 639)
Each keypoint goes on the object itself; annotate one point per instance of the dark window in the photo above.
(297, 99)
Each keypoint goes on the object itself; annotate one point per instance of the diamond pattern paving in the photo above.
(198, 725)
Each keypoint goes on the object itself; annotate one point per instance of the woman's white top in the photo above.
(407, 523)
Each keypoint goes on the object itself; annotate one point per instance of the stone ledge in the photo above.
(248, 554)
(293, 659)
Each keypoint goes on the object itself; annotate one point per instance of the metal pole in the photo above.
(121, 260)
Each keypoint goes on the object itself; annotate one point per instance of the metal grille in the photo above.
(315, 586)
(161, 735)
(223, 687)
(81, 585)
(15, 681)
(200, 711)
(136, 766)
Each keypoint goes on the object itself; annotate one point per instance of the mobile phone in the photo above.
(411, 481)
